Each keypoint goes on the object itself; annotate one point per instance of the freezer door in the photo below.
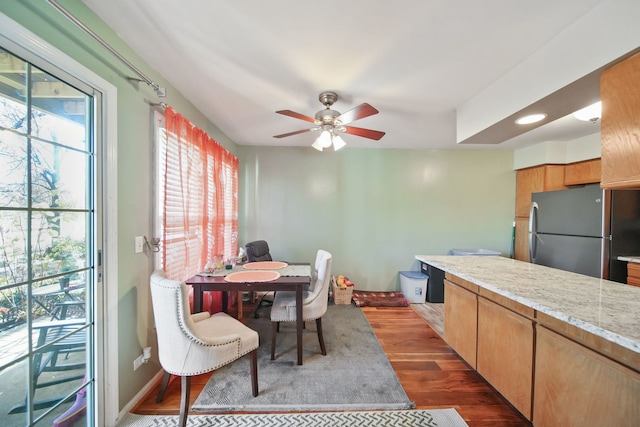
(582, 255)
(578, 211)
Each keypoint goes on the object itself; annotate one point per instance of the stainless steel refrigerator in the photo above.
(585, 229)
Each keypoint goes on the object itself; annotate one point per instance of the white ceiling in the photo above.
(417, 61)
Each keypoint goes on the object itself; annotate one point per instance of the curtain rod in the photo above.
(160, 105)
(160, 91)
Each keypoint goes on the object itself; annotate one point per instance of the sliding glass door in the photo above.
(48, 250)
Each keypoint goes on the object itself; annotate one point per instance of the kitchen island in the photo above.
(563, 348)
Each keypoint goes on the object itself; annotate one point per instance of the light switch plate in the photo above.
(139, 244)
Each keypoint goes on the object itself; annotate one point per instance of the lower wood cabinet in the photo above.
(552, 380)
(574, 386)
(505, 353)
(460, 321)
(633, 274)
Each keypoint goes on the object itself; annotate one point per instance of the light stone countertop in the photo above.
(635, 259)
(607, 309)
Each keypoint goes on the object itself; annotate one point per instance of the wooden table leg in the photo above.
(240, 304)
(225, 301)
(197, 301)
(299, 321)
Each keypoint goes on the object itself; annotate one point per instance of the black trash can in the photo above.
(435, 287)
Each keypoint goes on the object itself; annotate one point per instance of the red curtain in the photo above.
(200, 207)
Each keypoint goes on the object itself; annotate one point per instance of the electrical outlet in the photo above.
(138, 362)
(139, 244)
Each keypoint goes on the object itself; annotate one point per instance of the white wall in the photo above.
(558, 152)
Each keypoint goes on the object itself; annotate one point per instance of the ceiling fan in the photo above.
(330, 123)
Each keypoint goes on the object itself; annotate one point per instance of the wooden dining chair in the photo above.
(314, 302)
(195, 344)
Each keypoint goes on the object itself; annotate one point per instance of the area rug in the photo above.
(379, 299)
(423, 418)
(354, 375)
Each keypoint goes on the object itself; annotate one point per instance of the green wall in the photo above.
(373, 209)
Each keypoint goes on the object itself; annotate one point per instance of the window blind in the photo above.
(198, 194)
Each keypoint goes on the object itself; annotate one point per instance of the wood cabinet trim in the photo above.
(508, 303)
(462, 282)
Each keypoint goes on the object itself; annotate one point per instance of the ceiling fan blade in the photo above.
(292, 133)
(357, 113)
(367, 133)
(296, 115)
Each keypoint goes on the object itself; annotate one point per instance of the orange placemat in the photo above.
(265, 265)
(252, 276)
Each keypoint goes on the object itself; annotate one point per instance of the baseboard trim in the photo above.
(141, 394)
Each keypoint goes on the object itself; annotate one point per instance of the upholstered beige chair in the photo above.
(194, 344)
(314, 302)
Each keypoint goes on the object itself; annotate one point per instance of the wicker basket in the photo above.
(341, 295)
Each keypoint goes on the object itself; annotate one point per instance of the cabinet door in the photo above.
(528, 181)
(586, 172)
(633, 274)
(505, 353)
(460, 321)
(536, 179)
(553, 177)
(575, 386)
(620, 95)
(522, 240)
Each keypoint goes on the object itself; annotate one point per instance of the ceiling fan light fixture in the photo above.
(322, 141)
(532, 118)
(590, 113)
(338, 142)
(329, 122)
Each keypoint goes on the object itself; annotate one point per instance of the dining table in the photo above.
(292, 277)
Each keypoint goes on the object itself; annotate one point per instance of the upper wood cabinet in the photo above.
(620, 126)
(521, 249)
(536, 179)
(586, 172)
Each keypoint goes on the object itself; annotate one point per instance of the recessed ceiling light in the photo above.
(533, 118)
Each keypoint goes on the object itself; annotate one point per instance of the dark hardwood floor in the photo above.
(431, 373)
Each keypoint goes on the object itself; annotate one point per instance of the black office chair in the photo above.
(259, 251)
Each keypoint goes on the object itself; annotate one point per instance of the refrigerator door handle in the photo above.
(533, 229)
